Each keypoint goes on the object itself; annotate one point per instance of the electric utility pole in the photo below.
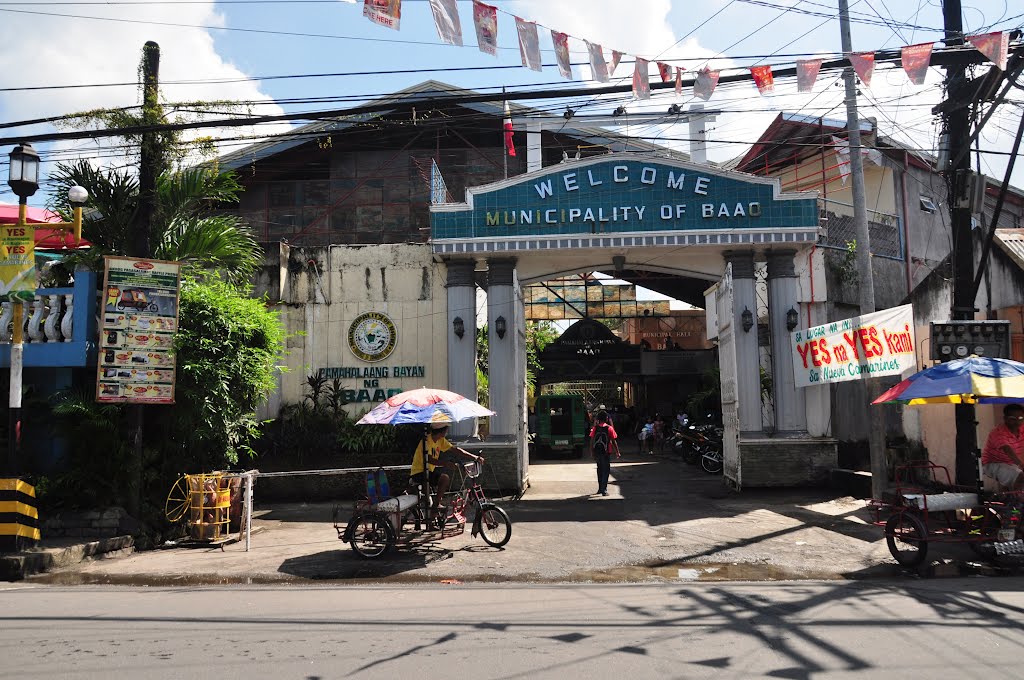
(957, 129)
(865, 276)
(150, 162)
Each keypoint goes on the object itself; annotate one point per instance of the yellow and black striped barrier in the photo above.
(19, 519)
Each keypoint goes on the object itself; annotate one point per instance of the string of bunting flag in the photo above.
(915, 58)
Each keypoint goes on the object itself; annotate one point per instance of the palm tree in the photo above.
(185, 227)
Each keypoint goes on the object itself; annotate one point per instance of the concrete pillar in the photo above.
(501, 358)
(461, 288)
(790, 411)
(748, 373)
(534, 153)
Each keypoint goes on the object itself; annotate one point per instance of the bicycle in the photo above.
(375, 528)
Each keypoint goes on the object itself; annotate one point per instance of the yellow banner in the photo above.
(17, 262)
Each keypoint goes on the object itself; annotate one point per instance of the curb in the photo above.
(17, 566)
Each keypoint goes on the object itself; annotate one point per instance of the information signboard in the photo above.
(139, 322)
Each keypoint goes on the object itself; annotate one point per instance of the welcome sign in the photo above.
(623, 193)
(865, 346)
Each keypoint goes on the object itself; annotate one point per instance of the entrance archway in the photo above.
(631, 212)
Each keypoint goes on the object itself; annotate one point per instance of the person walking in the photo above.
(603, 444)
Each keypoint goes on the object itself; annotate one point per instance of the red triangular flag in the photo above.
(864, 64)
(915, 60)
(665, 70)
(641, 82)
(705, 84)
(679, 81)
(807, 74)
(763, 78)
(509, 146)
(992, 45)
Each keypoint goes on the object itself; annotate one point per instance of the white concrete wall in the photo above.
(321, 300)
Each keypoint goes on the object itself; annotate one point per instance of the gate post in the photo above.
(748, 372)
(790, 413)
(501, 338)
(461, 333)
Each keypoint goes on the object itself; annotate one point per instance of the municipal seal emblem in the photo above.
(372, 336)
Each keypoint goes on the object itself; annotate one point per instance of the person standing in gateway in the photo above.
(603, 445)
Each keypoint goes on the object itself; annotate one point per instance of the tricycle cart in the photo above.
(925, 508)
(377, 525)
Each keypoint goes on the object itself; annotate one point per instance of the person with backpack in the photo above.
(603, 445)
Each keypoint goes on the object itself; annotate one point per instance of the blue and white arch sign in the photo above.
(626, 194)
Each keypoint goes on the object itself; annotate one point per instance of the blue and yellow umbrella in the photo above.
(974, 380)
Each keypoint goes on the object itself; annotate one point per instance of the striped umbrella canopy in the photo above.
(974, 380)
(424, 405)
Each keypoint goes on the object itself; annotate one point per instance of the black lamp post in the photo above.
(500, 327)
(23, 176)
(792, 318)
(459, 327)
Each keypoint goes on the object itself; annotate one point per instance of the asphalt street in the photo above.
(961, 628)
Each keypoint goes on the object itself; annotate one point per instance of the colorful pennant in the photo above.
(864, 64)
(665, 71)
(679, 81)
(561, 43)
(446, 19)
(529, 44)
(598, 67)
(992, 45)
(641, 80)
(616, 58)
(763, 78)
(915, 60)
(384, 12)
(485, 18)
(807, 74)
(706, 83)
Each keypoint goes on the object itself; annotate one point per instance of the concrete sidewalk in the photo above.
(662, 520)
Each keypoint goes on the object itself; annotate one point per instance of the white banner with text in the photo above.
(869, 346)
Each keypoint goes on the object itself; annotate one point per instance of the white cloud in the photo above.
(74, 50)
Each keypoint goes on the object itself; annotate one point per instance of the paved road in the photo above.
(952, 628)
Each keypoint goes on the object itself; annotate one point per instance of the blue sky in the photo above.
(296, 38)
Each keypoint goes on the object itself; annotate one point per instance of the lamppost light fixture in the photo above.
(459, 327)
(23, 173)
(78, 195)
(747, 319)
(792, 319)
(500, 327)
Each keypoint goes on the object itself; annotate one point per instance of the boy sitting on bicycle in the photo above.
(434, 473)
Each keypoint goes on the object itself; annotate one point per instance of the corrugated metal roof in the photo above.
(433, 89)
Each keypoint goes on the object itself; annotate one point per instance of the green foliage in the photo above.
(184, 228)
(227, 353)
(707, 399)
(319, 431)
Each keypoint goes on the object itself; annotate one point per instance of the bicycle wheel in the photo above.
(711, 461)
(907, 539)
(493, 525)
(177, 503)
(372, 535)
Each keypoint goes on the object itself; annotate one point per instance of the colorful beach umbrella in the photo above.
(974, 380)
(424, 405)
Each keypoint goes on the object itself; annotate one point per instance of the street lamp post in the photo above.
(24, 181)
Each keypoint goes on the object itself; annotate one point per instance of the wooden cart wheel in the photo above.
(178, 500)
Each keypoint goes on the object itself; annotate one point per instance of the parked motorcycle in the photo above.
(693, 441)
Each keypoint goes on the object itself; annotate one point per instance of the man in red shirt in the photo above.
(602, 445)
(1001, 457)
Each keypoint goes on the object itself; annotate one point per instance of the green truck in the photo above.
(561, 425)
